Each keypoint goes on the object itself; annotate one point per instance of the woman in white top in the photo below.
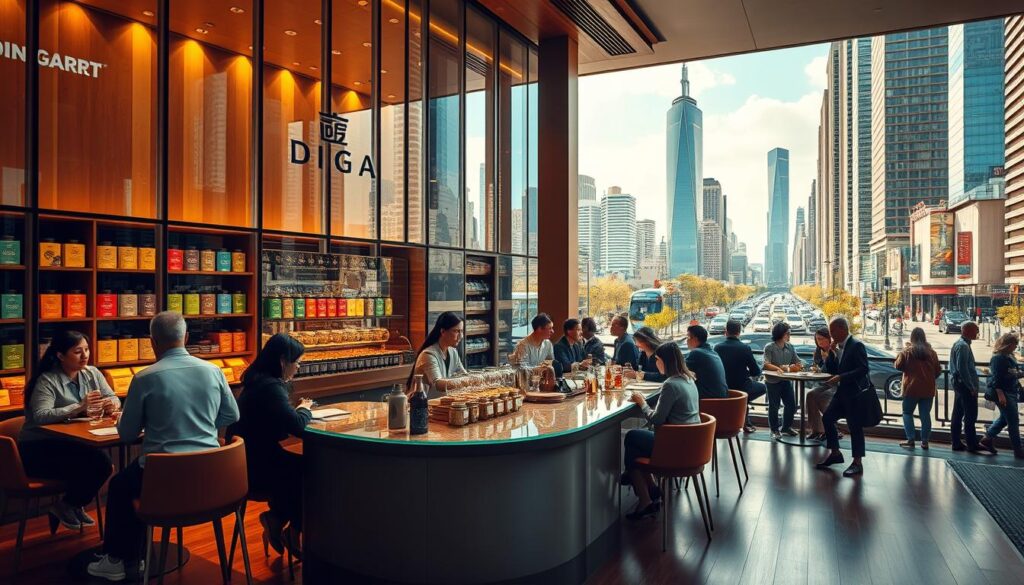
(438, 359)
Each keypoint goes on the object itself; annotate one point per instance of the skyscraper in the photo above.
(618, 226)
(810, 250)
(684, 171)
(589, 221)
(711, 249)
(645, 240)
(863, 269)
(976, 123)
(586, 188)
(1014, 72)
(909, 132)
(713, 202)
(776, 254)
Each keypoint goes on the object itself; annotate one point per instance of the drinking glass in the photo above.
(94, 407)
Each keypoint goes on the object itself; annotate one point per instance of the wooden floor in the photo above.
(908, 520)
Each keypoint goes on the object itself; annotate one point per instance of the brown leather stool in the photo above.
(731, 414)
(682, 451)
(186, 489)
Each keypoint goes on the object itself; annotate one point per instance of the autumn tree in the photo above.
(662, 320)
(609, 294)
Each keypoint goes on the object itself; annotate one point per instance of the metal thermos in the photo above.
(398, 413)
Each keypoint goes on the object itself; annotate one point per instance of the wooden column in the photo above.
(557, 197)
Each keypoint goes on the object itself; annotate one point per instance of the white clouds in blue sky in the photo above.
(751, 104)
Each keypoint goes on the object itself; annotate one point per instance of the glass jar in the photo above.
(499, 406)
(458, 414)
(474, 411)
(486, 409)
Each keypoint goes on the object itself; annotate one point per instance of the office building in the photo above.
(714, 206)
(684, 172)
(590, 231)
(587, 189)
(810, 256)
(645, 244)
(711, 249)
(618, 233)
(776, 251)
(1013, 248)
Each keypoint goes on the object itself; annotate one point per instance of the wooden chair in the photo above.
(186, 489)
(683, 451)
(16, 485)
(731, 413)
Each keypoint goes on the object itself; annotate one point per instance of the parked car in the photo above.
(712, 312)
(717, 325)
(951, 321)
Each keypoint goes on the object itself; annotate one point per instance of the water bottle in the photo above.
(419, 415)
(398, 415)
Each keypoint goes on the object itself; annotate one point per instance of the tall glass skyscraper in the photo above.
(976, 124)
(776, 253)
(685, 172)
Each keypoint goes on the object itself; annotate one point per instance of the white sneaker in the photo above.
(106, 568)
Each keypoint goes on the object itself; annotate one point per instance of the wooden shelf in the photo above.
(343, 345)
(478, 311)
(12, 267)
(124, 271)
(220, 316)
(125, 364)
(136, 318)
(12, 372)
(475, 351)
(12, 408)
(346, 318)
(63, 269)
(12, 321)
(221, 355)
(68, 320)
(207, 273)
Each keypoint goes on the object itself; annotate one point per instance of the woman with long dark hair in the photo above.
(266, 417)
(62, 387)
(920, 366)
(819, 398)
(438, 359)
(647, 342)
(678, 404)
(1004, 390)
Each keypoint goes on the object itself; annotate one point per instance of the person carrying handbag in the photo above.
(848, 364)
(1004, 391)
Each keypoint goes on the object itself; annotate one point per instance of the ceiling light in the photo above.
(391, 96)
(362, 2)
(358, 82)
(236, 10)
(147, 13)
(317, 22)
(313, 67)
(202, 31)
(296, 63)
(290, 33)
(250, 48)
(393, 20)
(383, 70)
(335, 52)
(207, 25)
(367, 44)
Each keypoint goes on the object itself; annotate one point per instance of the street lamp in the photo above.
(886, 285)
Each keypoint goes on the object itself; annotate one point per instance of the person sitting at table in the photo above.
(678, 404)
(181, 401)
(592, 346)
(741, 368)
(705, 364)
(438, 360)
(647, 342)
(780, 356)
(848, 364)
(535, 349)
(569, 348)
(62, 387)
(625, 349)
(818, 399)
(267, 418)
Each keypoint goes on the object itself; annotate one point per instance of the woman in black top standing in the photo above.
(266, 418)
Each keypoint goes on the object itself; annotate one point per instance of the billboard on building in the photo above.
(941, 231)
(914, 266)
(964, 243)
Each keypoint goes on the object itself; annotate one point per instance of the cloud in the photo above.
(662, 81)
(816, 73)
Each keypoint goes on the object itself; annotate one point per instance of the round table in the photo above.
(799, 380)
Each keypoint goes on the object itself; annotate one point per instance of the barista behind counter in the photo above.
(438, 360)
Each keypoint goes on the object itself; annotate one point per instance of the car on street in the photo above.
(761, 325)
(796, 323)
(951, 321)
(717, 325)
(738, 316)
(711, 312)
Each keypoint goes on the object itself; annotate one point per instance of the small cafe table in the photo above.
(799, 380)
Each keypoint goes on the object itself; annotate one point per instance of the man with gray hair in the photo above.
(180, 401)
(848, 364)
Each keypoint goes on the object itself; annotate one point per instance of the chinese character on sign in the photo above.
(333, 128)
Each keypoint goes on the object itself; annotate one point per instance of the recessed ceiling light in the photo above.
(335, 52)
(362, 2)
(296, 63)
(358, 82)
(313, 67)
(367, 44)
(393, 20)
(207, 25)
(290, 33)
(202, 31)
(391, 96)
(236, 10)
(250, 47)
(147, 13)
(383, 70)
(317, 22)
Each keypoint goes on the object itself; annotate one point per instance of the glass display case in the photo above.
(340, 306)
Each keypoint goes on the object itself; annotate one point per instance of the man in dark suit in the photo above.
(740, 367)
(705, 364)
(625, 350)
(848, 364)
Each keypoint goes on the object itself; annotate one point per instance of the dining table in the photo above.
(101, 435)
(799, 380)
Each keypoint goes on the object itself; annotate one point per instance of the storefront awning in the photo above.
(933, 290)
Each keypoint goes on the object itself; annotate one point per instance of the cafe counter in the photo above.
(529, 497)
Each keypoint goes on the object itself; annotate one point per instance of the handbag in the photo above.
(868, 407)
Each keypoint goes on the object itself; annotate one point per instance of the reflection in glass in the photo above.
(444, 202)
(12, 114)
(531, 156)
(479, 140)
(446, 284)
(415, 175)
(97, 112)
(505, 307)
(522, 312)
(512, 138)
(392, 121)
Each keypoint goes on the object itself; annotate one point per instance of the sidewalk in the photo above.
(941, 342)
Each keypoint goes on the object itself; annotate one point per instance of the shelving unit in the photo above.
(480, 323)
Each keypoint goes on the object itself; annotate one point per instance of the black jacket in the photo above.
(852, 368)
(649, 366)
(266, 418)
(739, 363)
(568, 354)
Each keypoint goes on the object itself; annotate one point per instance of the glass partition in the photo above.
(392, 120)
(444, 217)
(415, 185)
(512, 138)
(531, 155)
(479, 131)
(12, 95)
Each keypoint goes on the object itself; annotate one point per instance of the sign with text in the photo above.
(941, 241)
(333, 131)
(964, 243)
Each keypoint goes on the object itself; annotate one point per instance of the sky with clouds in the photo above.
(751, 104)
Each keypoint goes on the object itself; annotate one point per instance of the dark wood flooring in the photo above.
(908, 520)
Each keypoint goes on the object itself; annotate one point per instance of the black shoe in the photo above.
(959, 447)
(749, 428)
(649, 511)
(655, 494)
(985, 444)
(832, 459)
(790, 432)
(853, 469)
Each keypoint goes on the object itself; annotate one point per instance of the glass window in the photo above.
(532, 289)
(392, 120)
(12, 95)
(446, 286)
(512, 140)
(521, 310)
(210, 115)
(505, 308)
(479, 131)
(415, 184)
(353, 168)
(444, 163)
(531, 156)
(97, 108)
(292, 196)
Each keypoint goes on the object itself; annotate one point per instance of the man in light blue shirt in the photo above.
(180, 402)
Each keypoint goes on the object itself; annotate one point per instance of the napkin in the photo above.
(104, 432)
(323, 413)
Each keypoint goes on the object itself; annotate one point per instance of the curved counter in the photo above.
(530, 497)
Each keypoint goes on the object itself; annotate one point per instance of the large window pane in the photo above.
(446, 284)
(97, 108)
(479, 173)
(531, 156)
(443, 169)
(415, 183)
(512, 140)
(292, 197)
(392, 121)
(12, 96)
(353, 182)
(522, 312)
(210, 114)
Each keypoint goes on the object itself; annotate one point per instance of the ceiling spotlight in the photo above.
(250, 47)
(383, 70)
(358, 82)
(290, 33)
(317, 22)
(391, 96)
(202, 31)
(147, 13)
(207, 25)
(362, 2)
(393, 20)
(312, 67)
(335, 52)
(296, 63)
(367, 44)
(236, 10)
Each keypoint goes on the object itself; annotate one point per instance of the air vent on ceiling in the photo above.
(597, 28)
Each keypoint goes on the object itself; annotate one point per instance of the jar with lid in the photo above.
(510, 403)
(191, 259)
(458, 414)
(208, 303)
(147, 304)
(474, 411)
(208, 261)
(499, 406)
(486, 409)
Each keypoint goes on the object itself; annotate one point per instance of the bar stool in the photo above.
(731, 413)
(260, 497)
(683, 451)
(15, 484)
(186, 489)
